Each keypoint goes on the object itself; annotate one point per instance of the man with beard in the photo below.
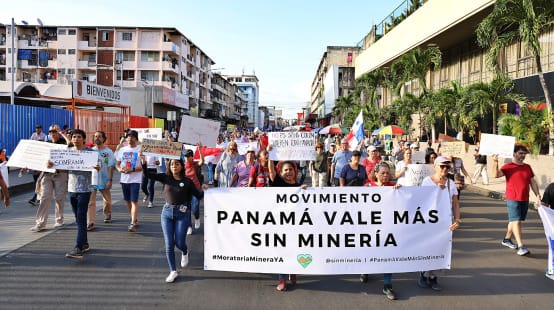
(106, 161)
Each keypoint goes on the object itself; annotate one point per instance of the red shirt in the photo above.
(260, 175)
(518, 179)
(369, 166)
(374, 183)
(191, 173)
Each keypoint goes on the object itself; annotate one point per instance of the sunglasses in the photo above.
(52, 130)
(444, 167)
(233, 149)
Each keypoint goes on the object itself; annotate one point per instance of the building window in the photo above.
(61, 31)
(61, 70)
(70, 71)
(105, 36)
(150, 56)
(127, 36)
(71, 51)
(125, 56)
(71, 32)
(149, 76)
(61, 51)
(128, 75)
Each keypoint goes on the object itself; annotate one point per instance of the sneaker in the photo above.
(508, 243)
(171, 277)
(387, 290)
(550, 276)
(522, 250)
(108, 219)
(58, 225)
(292, 279)
(136, 223)
(189, 231)
(211, 183)
(150, 205)
(145, 199)
(36, 228)
(197, 224)
(423, 282)
(86, 248)
(74, 253)
(282, 286)
(363, 278)
(90, 226)
(434, 284)
(33, 202)
(132, 228)
(184, 260)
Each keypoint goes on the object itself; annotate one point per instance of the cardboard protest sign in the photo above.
(71, 159)
(497, 144)
(33, 155)
(162, 148)
(198, 130)
(456, 148)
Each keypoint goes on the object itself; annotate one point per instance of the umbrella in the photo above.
(333, 129)
(391, 130)
(376, 131)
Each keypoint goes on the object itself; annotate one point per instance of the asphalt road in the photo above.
(127, 270)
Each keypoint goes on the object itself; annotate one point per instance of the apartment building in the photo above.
(249, 84)
(450, 25)
(334, 78)
(162, 69)
(227, 101)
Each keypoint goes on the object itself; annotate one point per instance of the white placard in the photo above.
(195, 130)
(415, 174)
(456, 148)
(242, 147)
(292, 145)
(71, 159)
(149, 133)
(33, 155)
(418, 157)
(497, 144)
(332, 230)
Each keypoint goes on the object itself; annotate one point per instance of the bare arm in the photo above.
(497, 172)
(456, 212)
(5, 192)
(535, 188)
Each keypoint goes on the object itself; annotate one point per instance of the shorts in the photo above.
(130, 191)
(517, 210)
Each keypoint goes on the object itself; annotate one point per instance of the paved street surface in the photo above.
(127, 270)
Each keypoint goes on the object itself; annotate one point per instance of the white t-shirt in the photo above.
(399, 166)
(453, 190)
(129, 157)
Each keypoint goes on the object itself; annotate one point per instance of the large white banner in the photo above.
(33, 155)
(292, 145)
(547, 217)
(497, 144)
(332, 230)
(195, 130)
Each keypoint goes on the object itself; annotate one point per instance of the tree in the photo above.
(343, 105)
(524, 127)
(522, 20)
(414, 65)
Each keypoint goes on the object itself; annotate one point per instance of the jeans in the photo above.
(79, 204)
(211, 169)
(195, 206)
(147, 185)
(174, 227)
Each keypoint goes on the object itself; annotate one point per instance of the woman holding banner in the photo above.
(402, 166)
(286, 175)
(175, 218)
(226, 165)
(428, 279)
(383, 176)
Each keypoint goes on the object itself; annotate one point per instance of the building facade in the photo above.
(250, 86)
(227, 100)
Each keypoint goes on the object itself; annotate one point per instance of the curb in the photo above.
(485, 192)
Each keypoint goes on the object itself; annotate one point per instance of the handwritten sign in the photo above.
(198, 130)
(33, 155)
(162, 148)
(418, 157)
(453, 148)
(149, 133)
(497, 144)
(292, 145)
(416, 173)
(242, 147)
(70, 159)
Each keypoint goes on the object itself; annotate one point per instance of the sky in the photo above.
(281, 41)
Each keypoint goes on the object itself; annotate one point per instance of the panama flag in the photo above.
(356, 134)
(547, 217)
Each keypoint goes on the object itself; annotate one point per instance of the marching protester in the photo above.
(175, 217)
(79, 188)
(319, 166)
(38, 135)
(429, 279)
(193, 172)
(353, 174)
(402, 166)
(340, 159)
(330, 155)
(480, 166)
(457, 173)
(371, 161)
(243, 168)
(519, 176)
(51, 184)
(106, 162)
(147, 185)
(382, 178)
(226, 165)
(129, 165)
(259, 173)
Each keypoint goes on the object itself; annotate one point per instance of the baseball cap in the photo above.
(251, 149)
(442, 160)
(414, 145)
(371, 148)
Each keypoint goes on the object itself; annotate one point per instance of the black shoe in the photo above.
(387, 290)
(363, 278)
(86, 248)
(74, 253)
(132, 228)
(33, 202)
(433, 283)
(423, 281)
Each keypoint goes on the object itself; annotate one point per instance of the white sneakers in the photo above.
(58, 225)
(150, 205)
(36, 228)
(184, 260)
(196, 223)
(171, 277)
(189, 231)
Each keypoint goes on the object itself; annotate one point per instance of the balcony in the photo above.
(169, 84)
(86, 64)
(86, 45)
(27, 64)
(168, 66)
(169, 47)
(149, 65)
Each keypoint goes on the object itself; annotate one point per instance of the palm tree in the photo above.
(487, 97)
(521, 20)
(414, 65)
(342, 106)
